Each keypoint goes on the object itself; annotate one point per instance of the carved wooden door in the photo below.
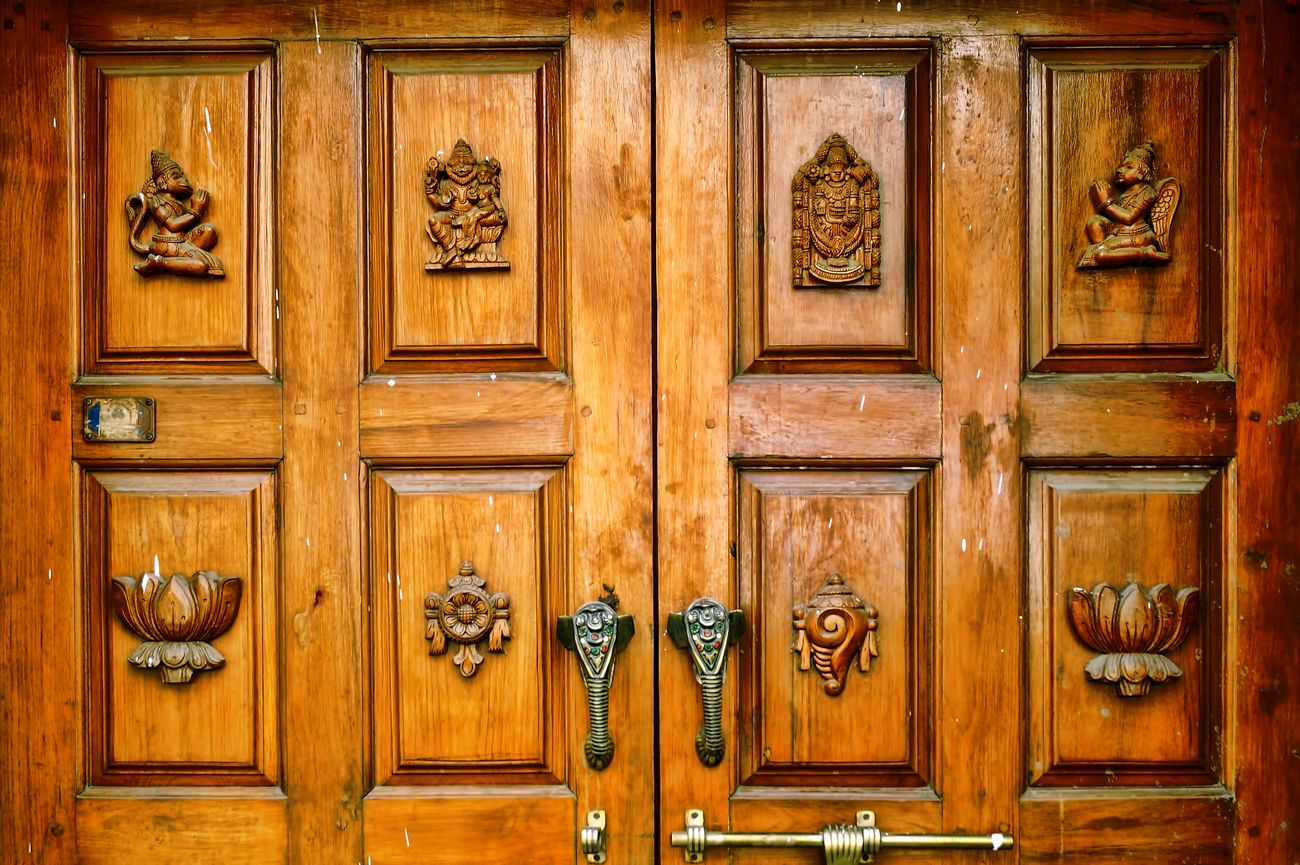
(358, 344)
(923, 387)
(379, 278)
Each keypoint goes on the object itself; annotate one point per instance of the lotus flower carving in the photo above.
(1132, 629)
(176, 617)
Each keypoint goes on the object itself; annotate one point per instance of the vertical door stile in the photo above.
(321, 596)
(609, 267)
(980, 262)
(693, 212)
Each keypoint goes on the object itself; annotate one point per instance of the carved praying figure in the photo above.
(1131, 225)
(836, 235)
(468, 217)
(183, 239)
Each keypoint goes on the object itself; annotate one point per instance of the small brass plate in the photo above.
(118, 419)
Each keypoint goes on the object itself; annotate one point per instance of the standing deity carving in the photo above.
(183, 240)
(468, 217)
(1133, 216)
(836, 235)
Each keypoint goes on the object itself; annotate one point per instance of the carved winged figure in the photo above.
(183, 239)
(1133, 216)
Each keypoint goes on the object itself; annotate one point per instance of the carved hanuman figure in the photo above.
(1131, 225)
(468, 217)
(183, 240)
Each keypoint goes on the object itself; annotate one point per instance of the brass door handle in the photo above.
(706, 629)
(595, 633)
(841, 844)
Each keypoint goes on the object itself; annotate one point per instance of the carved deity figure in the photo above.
(836, 233)
(468, 217)
(1133, 216)
(183, 239)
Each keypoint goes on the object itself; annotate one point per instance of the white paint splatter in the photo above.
(998, 840)
(493, 376)
(963, 545)
(392, 382)
(978, 373)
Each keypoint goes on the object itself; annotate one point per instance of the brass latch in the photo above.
(593, 837)
(841, 844)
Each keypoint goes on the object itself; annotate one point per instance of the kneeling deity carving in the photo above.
(468, 217)
(836, 234)
(182, 242)
(1133, 215)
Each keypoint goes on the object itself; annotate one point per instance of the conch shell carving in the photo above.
(176, 618)
(1132, 630)
(833, 628)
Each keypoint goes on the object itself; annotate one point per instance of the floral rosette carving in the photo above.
(1132, 630)
(832, 629)
(465, 615)
(177, 617)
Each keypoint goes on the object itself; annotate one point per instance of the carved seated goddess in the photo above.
(182, 241)
(1131, 225)
(468, 217)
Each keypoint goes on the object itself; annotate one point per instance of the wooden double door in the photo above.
(513, 309)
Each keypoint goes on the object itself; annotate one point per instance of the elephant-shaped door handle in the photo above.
(706, 629)
(596, 633)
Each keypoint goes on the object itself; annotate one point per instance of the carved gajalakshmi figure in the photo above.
(836, 235)
(468, 217)
(833, 628)
(1131, 225)
(183, 239)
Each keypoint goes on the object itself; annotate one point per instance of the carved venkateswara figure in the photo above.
(468, 217)
(183, 240)
(836, 235)
(466, 614)
(1133, 218)
(833, 628)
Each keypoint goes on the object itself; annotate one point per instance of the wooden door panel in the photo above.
(506, 105)
(507, 713)
(1093, 526)
(797, 529)
(211, 113)
(144, 732)
(1090, 106)
(879, 101)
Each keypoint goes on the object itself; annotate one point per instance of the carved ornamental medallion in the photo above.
(836, 233)
(182, 240)
(177, 617)
(468, 217)
(833, 628)
(1133, 216)
(466, 614)
(1132, 630)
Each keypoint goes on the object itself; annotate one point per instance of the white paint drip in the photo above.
(408, 836)
(978, 373)
(207, 120)
(345, 476)
(309, 542)
(315, 23)
(981, 544)
(498, 528)
(1001, 477)
(862, 402)
(489, 501)
(207, 135)
(56, 122)
(830, 522)
(963, 545)
(49, 574)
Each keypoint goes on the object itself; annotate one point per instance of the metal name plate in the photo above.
(118, 419)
